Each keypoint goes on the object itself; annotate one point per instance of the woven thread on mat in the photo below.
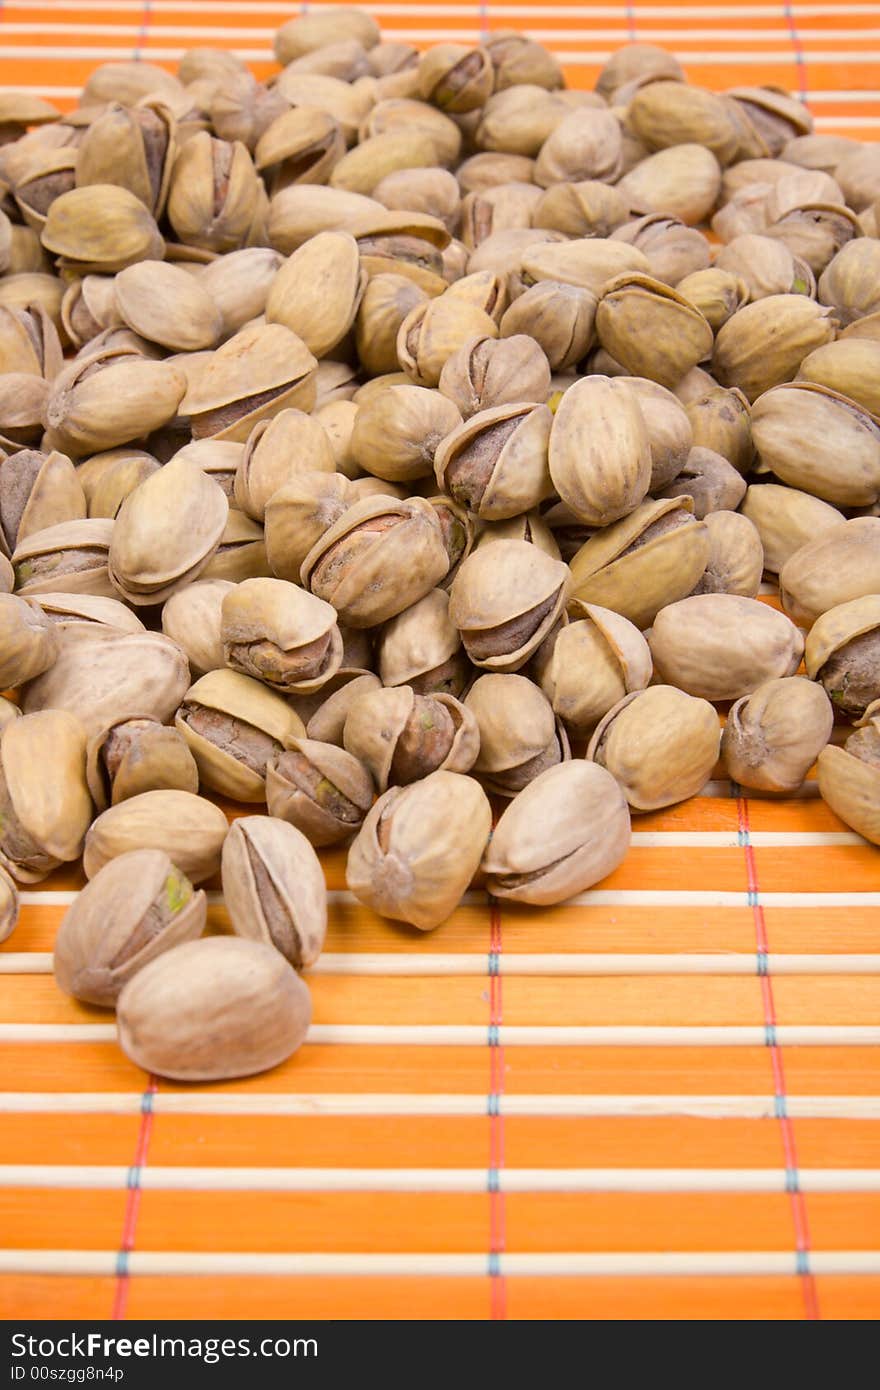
(133, 1202)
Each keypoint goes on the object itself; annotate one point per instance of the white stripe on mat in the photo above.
(563, 964)
(285, 9)
(649, 1263)
(221, 1179)
(560, 35)
(323, 1104)
(506, 1035)
(578, 57)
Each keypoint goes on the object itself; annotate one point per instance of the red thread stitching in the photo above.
(133, 1201)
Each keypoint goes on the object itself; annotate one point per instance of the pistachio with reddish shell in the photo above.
(421, 647)
(495, 464)
(280, 634)
(592, 662)
(401, 736)
(599, 452)
(45, 807)
(136, 907)
(774, 735)
(396, 434)
(565, 831)
(843, 655)
(320, 789)
(274, 889)
(520, 737)
(722, 646)
(277, 450)
(234, 726)
(504, 600)
(134, 754)
(660, 745)
(419, 847)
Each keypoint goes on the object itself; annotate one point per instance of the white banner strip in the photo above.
(619, 34)
(631, 1264)
(285, 9)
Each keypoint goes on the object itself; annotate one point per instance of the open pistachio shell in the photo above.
(133, 754)
(321, 789)
(504, 600)
(274, 889)
(280, 634)
(234, 725)
(401, 736)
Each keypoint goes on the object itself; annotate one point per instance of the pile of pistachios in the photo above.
(400, 432)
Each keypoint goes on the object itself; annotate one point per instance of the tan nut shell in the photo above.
(126, 400)
(597, 659)
(417, 640)
(327, 723)
(764, 344)
(276, 611)
(150, 559)
(317, 291)
(660, 744)
(297, 885)
(589, 262)
(520, 477)
(28, 641)
(842, 563)
(182, 824)
(101, 227)
(815, 439)
(9, 904)
(276, 452)
(786, 519)
(213, 1009)
(499, 582)
(838, 626)
(191, 618)
(722, 646)
(736, 556)
(436, 832)
(165, 305)
(376, 720)
(650, 329)
(337, 768)
(68, 610)
(565, 831)
(298, 515)
(261, 360)
(247, 700)
(160, 759)
(515, 721)
(773, 736)
(851, 788)
(43, 757)
(600, 456)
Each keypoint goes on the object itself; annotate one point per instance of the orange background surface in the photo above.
(59, 1098)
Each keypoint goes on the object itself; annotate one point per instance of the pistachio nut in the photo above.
(216, 199)
(347, 103)
(327, 721)
(764, 344)
(147, 564)
(488, 372)
(302, 144)
(45, 807)
(455, 78)
(280, 634)
(722, 646)
(234, 725)
(434, 330)
(849, 780)
(180, 823)
(276, 452)
(126, 83)
(721, 420)
(519, 735)
(191, 618)
(320, 789)
(87, 610)
(489, 169)
(37, 490)
(774, 735)
(241, 553)
(421, 648)
(599, 453)
(28, 641)
(386, 301)
(402, 243)
(529, 526)
(712, 482)
(135, 908)
(9, 905)
(590, 664)
(565, 831)
(298, 515)
(101, 228)
(637, 314)
(634, 65)
(274, 889)
(820, 441)
(586, 144)
(165, 305)
(841, 654)
(71, 556)
(715, 292)
(212, 1010)
(260, 371)
(588, 262)
(317, 291)
(670, 435)
(518, 60)
(666, 113)
(299, 212)
(775, 116)
(29, 342)
(850, 366)
(651, 558)
(119, 480)
(559, 318)
(673, 249)
(312, 31)
(785, 520)
(396, 434)
(23, 399)
(132, 147)
(400, 736)
(419, 847)
(682, 182)
(377, 559)
(504, 601)
(766, 266)
(495, 464)
(814, 233)
(101, 402)
(850, 283)
(134, 754)
(238, 284)
(518, 119)
(220, 459)
(586, 208)
(736, 556)
(660, 745)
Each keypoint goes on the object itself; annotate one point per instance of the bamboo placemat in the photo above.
(659, 1101)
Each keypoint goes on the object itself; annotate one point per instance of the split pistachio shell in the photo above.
(489, 372)
(652, 330)
(274, 889)
(519, 735)
(722, 646)
(260, 371)
(495, 464)
(850, 283)
(840, 564)
(298, 515)
(320, 789)
(191, 618)
(396, 434)
(241, 553)
(595, 660)
(651, 558)
(276, 451)
(599, 453)
(216, 200)
(504, 600)
(327, 723)
(421, 647)
(736, 556)
(37, 490)
(849, 777)
(385, 304)
(234, 725)
(400, 736)
(183, 825)
(28, 641)
(166, 306)
(660, 744)
(280, 634)
(148, 562)
(419, 847)
(135, 754)
(712, 483)
(45, 807)
(212, 1010)
(71, 556)
(9, 905)
(841, 653)
(786, 519)
(560, 318)
(817, 440)
(90, 610)
(717, 293)
(434, 330)
(565, 831)
(774, 735)
(137, 906)
(377, 559)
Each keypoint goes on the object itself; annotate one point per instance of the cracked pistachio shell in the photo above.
(183, 825)
(397, 433)
(849, 777)
(219, 459)
(400, 736)
(87, 610)
(660, 744)
(841, 653)
(773, 736)
(23, 402)
(134, 753)
(764, 344)
(721, 421)
(421, 647)
(850, 366)
(405, 113)
(672, 248)
(670, 436)
(840, 564)
(722, 646)
(241, 553)
(9, 905)
(600, 455)
(595, 660)
(212, 1010)
(715, 292)
(504, 600)
(348, 104)
(191, 618)
(149, 559)
(274, 888)
(216, 200)
(301, 145)
(786, 519)
(820, 441)
(165, 305)
(497, 209)
(317, 291)
(530, 526)
(380, 557)
(102, 673)
(652, 330)
(135, 908)
(519, 735)
(419, 848)
(683, 181)
(455, 78)
(7, 575)
(234, 725)
(560, 318)
(402, 243)
(29, 342)
(651, 558)
(667, 113)
(632, 66)
(101, 228)
(95, 405)
(298, 515)
(434, 330)
(260, 371)
(850, 283)
(327, 722)
(276, 451)
(565, 831)
(495, 463)
(586, 144)
(814, 232)
(736, 556)
(133, 147)
(487, 372)
(589, 262)
(386, 302)
(239, 283)
(320, 789)
(45, 807)
(89, 307)
(71, 556)
(28, 641)
(712, 483)
(280, 634)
